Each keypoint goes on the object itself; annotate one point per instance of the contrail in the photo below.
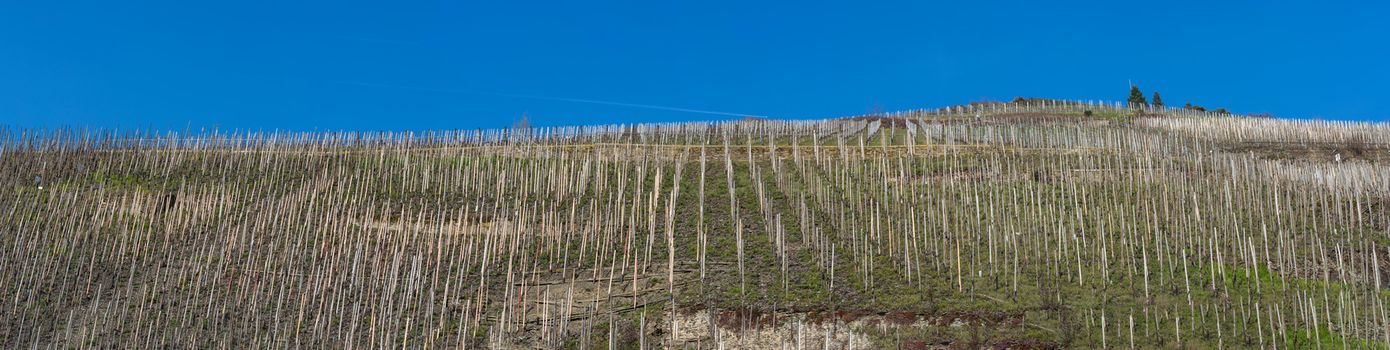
(551, 98)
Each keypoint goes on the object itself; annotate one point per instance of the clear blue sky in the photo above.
(402, 65)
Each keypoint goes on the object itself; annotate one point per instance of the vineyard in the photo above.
(1046, 224)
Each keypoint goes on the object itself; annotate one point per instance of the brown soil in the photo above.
(901, 318)
(1312, 152)
(744, 319)
(1023, 344)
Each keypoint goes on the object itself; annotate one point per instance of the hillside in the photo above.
(1045, 224)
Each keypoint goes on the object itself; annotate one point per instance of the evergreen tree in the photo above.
(1136, 97)
(1158, 102)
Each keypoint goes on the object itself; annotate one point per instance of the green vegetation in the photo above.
(1136, 97)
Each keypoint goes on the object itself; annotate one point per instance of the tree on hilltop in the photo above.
(1136, 97)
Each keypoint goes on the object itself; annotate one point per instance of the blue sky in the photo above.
(344, 65)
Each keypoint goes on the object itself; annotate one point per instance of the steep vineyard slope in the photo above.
(1042, 225)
